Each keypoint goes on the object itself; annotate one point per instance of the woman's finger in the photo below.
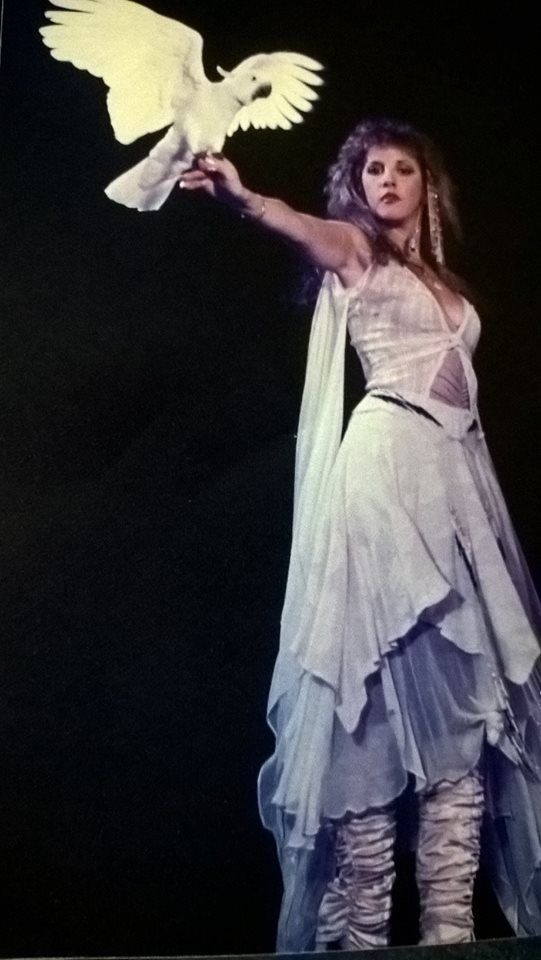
(189, 175)
(203, 183)
(212, 164)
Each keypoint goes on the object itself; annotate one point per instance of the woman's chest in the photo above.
(388, 313)
(395, 306)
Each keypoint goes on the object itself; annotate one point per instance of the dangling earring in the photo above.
(434, 221)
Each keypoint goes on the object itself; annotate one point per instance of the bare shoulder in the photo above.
(359, 255)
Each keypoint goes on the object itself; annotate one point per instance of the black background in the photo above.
(151, 367)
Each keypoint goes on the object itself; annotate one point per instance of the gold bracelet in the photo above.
(259, 216)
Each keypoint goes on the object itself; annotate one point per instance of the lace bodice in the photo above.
(405, 341)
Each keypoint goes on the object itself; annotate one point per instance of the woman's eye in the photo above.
(374, 168)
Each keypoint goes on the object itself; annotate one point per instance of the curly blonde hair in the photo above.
(345, 195)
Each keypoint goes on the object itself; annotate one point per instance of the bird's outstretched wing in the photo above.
(292, 77)
(145, 59)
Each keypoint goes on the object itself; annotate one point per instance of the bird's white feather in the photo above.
(292, 76)
(153, 67)
(145, 59)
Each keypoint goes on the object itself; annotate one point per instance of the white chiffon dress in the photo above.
(409, 648)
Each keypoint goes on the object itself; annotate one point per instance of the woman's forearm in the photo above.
(329, 244)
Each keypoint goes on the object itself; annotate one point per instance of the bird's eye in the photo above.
(254, 78)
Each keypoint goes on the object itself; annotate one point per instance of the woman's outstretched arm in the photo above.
(329, 244)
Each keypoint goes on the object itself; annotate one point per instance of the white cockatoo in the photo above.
(153, 67)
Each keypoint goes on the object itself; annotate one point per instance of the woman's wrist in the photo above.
(251, 206)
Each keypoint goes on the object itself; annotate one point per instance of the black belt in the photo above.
(412, 406)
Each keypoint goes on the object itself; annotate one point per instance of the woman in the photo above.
(408, 652)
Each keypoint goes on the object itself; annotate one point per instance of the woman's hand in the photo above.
(218, 177)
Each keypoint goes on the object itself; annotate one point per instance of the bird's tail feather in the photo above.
(147, 185)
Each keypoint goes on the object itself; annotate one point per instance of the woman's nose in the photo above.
(388, 178)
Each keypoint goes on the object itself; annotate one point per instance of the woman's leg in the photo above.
(356, 908)
(450, 817)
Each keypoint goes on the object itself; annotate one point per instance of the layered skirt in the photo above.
(411, 656)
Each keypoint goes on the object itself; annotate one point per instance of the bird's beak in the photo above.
(223, 73)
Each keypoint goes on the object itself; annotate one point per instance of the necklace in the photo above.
(427, 275)
(413, 255)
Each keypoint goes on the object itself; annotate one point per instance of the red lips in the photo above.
(389, 198)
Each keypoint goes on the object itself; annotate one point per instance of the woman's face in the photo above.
(393, 184)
